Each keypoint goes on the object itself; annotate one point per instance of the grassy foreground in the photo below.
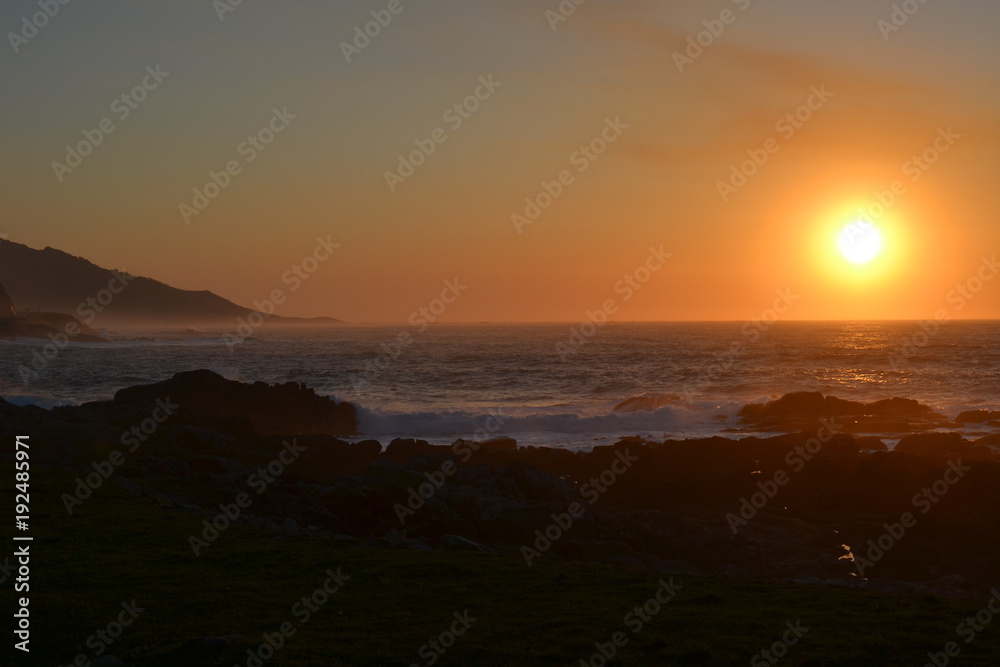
(119, 547)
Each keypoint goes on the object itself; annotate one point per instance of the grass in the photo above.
(118, 547)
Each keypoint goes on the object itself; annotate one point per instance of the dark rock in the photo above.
(976, 417)
(324, 457)
(196, 439)
(898, 407)
(667, 508)
(801, 404)
(943, 445)
(803, 411)
(285, 409)
(871, 443)
(403, 449)
(369, 445)
(497, 444)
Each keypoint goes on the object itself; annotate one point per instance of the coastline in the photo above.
(193, 441)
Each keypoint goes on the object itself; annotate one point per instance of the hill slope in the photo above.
(52, 280)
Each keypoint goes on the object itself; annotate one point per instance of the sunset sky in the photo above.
(932, 85)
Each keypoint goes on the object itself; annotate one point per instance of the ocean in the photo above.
(546, 384)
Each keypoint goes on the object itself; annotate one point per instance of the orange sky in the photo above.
(656, 184)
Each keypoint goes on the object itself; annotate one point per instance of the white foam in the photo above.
(585, 428)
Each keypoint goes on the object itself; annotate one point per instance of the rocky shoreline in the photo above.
(818, 505)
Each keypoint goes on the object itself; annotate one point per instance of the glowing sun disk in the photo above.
(860, 242)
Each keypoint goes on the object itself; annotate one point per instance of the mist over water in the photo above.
(451, 379)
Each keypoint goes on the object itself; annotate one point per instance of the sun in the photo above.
(860, 242)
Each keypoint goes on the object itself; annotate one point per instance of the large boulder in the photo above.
(976, 417)
(281, 409)
(803, 410)
(804, 404)
(402, 450)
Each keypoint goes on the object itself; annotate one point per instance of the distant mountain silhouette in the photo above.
(55, 281)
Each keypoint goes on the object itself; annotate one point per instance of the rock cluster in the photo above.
(796, 506)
